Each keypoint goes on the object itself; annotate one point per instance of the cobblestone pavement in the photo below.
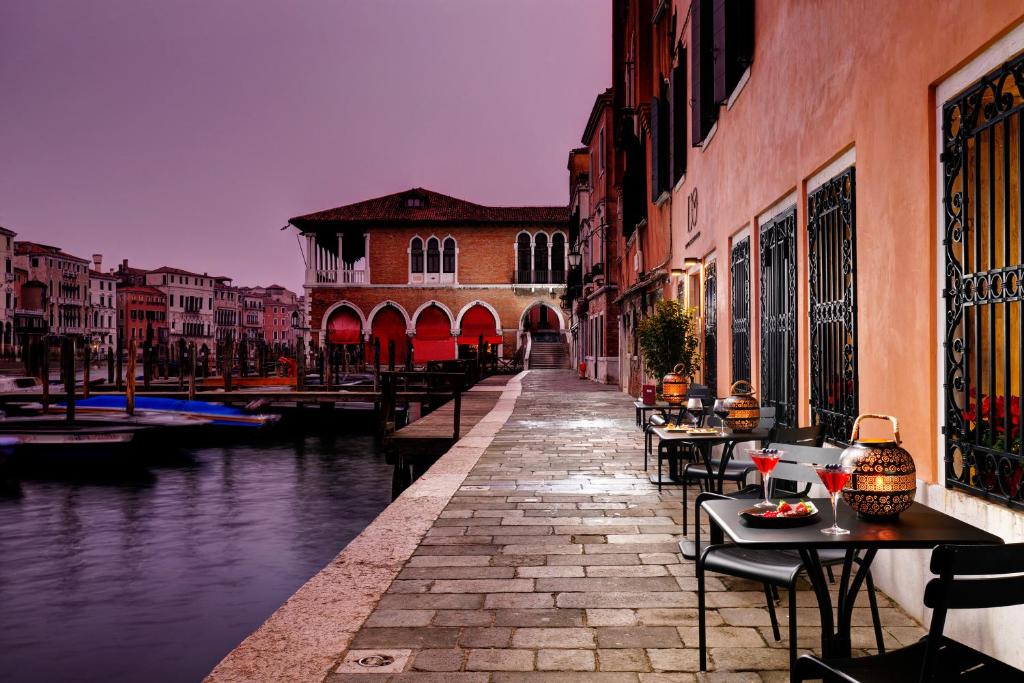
(557, 561)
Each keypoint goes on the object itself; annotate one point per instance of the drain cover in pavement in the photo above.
(374, 661)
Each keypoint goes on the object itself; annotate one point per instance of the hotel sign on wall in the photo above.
(692, 231)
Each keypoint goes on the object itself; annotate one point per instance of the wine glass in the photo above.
(721, 412)
(834, 477)
(695, 407)
(765, 460)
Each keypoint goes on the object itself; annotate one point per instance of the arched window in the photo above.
(433, 256)
(540, 258)
(558, 258)
(523, 258)
(416, 255)
(448, 262)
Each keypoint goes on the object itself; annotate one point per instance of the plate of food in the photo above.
(784, 516)
(677, 428)
(705, 431)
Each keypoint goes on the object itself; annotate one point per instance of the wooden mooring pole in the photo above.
(67, 353)
(44, 353)
(129, 396)
(86, 370)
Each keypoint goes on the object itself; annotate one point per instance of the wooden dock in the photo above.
(415, 447)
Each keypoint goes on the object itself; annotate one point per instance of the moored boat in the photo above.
(214, 413)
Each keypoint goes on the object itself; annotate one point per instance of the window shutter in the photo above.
(678, 126)
(656, 180)
(702, 70)
(733, 29)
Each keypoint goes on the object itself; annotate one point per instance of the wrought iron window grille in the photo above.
(831, 268)
(983, 253)
(740, 271)
(778, 317)
(710, 327)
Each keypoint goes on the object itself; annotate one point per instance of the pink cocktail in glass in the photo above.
(765, 460)
(834, 477)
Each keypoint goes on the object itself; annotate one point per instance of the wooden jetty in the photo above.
(414, 448)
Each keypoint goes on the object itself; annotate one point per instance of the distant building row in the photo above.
(47, 290)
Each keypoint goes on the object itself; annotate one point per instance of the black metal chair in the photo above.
(935, 657)
(772, 568)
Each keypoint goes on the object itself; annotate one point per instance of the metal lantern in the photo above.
(744, 410)
(674, 386)
(884, 478)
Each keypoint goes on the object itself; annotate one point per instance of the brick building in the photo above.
(593, 292)
(189, 305)
(142, 315)
(282, 316)
(439, 271)
(227, 310)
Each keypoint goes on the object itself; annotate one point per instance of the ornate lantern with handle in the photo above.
(674, 386)
(884, 478)
(744, 409)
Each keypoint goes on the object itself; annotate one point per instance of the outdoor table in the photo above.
(643, 408)
(920, 527)
(704, 442)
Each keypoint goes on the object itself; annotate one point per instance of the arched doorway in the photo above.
(433, 340)
(388, 325)
(542, 317)
(344, 327)
(478, 321)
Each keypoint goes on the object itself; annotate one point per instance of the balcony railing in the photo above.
(330, 276)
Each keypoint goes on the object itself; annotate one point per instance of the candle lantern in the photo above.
(744, 410)
(674, 386)
(884, 478)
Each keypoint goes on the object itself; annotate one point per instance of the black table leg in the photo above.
(849, 598)
(816, 575)
(726, 456)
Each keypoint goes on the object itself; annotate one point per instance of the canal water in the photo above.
(155, 572)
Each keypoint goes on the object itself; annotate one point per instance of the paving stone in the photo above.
(630, 571)
(635, 600)
(538, 617)
(486, 586)
(457, 573)
(638, 636)
(459, 617)
(657, 584)
(550, 572)
(587, 560)
(553, 637)
(625, 659)
(565, 660)
(448, 561)
(520, 601)
(485, 637)
(500, 660)
(723, 636)
(449, 677)
(675, 659)
(400, 617)
(438, 660)
(611, 617)
(414, 637)
(428, 601)
(565, 677)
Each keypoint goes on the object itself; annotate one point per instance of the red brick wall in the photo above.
(486, 255)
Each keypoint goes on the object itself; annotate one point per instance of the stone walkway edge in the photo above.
(306, 636)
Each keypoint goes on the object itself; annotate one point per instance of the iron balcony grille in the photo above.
(740, 271)
(710, 328)
(778, 317)
(983, 202)
(831, 267)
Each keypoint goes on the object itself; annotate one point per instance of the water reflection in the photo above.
(155, 572)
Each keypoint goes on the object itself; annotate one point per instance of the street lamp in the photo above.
(575, 258)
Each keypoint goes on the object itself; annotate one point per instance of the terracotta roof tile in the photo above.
(436, 208)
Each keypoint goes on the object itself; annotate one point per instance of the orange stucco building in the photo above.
(435, 273)
(837, 187)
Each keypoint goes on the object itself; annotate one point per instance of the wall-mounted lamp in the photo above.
(691, 261)
(678, 272)
(575, 258)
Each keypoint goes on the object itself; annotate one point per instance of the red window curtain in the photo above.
(478, 321)
(433, 340)
(344, 327)
(388, 325)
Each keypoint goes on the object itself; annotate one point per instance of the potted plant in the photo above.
(668, 339)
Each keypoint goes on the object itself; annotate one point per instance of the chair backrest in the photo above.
(803, 436)
(767, 421)
(795, 463)
(1003, 586)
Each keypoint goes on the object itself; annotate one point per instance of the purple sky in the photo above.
(186, 133)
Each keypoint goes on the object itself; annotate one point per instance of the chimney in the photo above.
(97, 260)
(124, 265)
